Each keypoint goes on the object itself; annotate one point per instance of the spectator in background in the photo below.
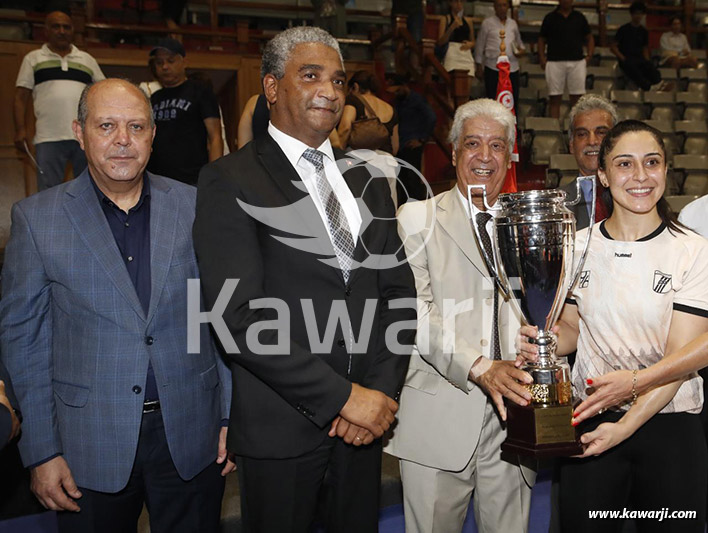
(486, 51)
(186, 115)
(331, 15)
(413, 11)
(416, 122)
(361, 103)
(201, 77)
(590, 120)
(172, 14)
(675, 50)
(631, 47)
(456, 34)
(54, 75)
(564, 30)
(255, 118)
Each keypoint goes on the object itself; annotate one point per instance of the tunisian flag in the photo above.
(505, 96)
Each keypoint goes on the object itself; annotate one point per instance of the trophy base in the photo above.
(541, 432)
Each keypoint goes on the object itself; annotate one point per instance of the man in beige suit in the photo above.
(449, 427)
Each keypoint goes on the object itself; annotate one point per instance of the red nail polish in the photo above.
(574, 423)
(575, 415)
(589, 381)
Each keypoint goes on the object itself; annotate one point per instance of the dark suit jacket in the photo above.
(77, 341)
(580, 210)
(283, 404)
(5, 416)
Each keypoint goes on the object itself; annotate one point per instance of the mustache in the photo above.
(325, 104)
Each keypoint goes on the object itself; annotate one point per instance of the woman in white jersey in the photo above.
(644, 294)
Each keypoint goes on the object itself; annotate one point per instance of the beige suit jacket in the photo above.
(441, 410)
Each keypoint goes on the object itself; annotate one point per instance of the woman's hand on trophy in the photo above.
(605, 391)
(602, 438)
(504, 380)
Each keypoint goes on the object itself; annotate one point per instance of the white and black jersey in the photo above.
(626, 295)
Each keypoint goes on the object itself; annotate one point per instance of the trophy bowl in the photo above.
(534, 245)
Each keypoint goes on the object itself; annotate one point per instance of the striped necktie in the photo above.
(339, 230)
(482, 218)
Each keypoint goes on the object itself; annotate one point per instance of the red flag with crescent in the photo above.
(505, 96)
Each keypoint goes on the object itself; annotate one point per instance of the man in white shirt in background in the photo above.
(54, 76)
(486, 50)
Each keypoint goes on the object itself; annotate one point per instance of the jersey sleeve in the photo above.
(25, 77)
(692, 294)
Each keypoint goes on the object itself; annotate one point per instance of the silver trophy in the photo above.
(533, 244)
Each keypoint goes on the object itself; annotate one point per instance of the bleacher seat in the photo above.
(546, 139)
(662, 105)
(671, 141)
(694, 106)
(695, 80)
(534, 76)
(668, 74)
(695, 136)
(700, 55)
(605, 57)
(529, 104)
(561, 170)
(678, 202)
(630, 104)
(601, 78)
(694, 170)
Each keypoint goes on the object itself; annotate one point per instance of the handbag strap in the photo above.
(367, 107)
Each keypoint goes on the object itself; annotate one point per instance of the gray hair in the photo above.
(277, 52)
(483, 107)
(82, 112)
(591, 102)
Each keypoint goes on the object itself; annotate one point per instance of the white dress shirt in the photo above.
(293, 150)
(482, 363)
(486, 49)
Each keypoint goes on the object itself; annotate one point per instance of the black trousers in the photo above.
(174, 505)
(663, 465)
(491, 78)
(641, 71)
(337, 483)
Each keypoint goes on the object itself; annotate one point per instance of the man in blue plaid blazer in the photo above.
(93, 330)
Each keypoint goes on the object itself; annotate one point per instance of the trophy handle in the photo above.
(489, 261)
(581, 262)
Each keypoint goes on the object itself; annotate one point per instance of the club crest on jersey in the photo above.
(584, 279)
(662, 282)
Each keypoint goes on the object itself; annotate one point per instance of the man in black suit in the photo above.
(590, 120)
(322, 290)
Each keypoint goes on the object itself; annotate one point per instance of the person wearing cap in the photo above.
(54, 76)
(186, 116)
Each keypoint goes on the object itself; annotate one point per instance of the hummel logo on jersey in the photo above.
(662, 282)
(584, 279)
(623, 255)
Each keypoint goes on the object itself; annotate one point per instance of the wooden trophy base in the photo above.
(540, 432)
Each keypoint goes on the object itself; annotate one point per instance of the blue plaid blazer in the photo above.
(73, 336)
